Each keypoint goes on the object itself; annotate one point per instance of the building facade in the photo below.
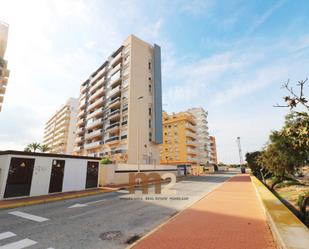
(213, 147)
(120, 108)
(202, 135)
(60, 130)
(4, 72)
(179, 145)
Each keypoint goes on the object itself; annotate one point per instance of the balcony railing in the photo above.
(96, 103)
(191, 127)
(99, 92)
(93, 145)
(110, 127)
(110, 139)
(113, 113)
(103, 70)
(97, 84)
(94, 134)
(94, 123)
(95, 113)
(117, 58)
(113, 92)
(114, 102)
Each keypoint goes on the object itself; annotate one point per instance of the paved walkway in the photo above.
(230, 217)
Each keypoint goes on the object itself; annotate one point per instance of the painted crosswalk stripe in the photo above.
(19, 244)
(28, 216)
(6, 235)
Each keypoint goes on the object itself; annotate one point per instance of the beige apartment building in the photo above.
(179, 145)
(120, 108)
(202, 135)
(4, 72)
(60, 130)
(213, 153)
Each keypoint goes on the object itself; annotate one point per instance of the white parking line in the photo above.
(29, 216)
(19, 244)
(6, 235)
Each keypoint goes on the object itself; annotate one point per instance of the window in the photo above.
(149, 88)
(149, 65)
(149, 110)
(149, 123)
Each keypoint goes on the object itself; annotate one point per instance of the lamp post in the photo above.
(138, 130)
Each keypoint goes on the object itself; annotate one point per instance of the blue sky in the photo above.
(229, 57)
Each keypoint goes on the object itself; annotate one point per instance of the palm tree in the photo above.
(44, 148)
(33, 147)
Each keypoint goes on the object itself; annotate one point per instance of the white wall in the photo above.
(75, 173)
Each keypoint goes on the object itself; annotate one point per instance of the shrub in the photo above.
(106, 160)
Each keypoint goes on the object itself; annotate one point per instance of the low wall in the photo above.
(288, 230)
(111, 174)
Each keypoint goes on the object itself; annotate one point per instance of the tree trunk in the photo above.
(304, 206)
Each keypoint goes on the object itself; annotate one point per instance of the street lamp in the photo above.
(138, 130)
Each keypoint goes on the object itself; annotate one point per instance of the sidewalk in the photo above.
(27, 201)
(230, 217)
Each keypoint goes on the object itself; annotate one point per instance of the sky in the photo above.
(229, 57)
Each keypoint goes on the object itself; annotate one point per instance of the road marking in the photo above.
(19, 244)
(6, 235)
(29, 216)
(86, 204)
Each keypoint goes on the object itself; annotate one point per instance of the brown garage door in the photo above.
(19, 177)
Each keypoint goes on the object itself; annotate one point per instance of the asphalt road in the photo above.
(112, 220)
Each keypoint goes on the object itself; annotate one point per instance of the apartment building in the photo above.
(179, 139)
(120, 108)
(202, 135)
(4, 72)
(213, 147)
(60, 130)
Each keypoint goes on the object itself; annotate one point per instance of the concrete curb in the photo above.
(48, 199)
(288, 231)
(173, 217)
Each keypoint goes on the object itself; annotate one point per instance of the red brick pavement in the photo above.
(230, 217)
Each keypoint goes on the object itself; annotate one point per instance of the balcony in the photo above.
(96, 103)
(190, 127)
(191, 143)
(95, 113)
(125, 122)
(191, 152)
(113, 92)
(4, 72)
(112, 139)
(91, 125)
(116, 78)
(114, 115)
(79, 139)
(116, 59)
(97, 85)
(98, 93)
(103, 70)
(3, 81)
(190, 134)
(112, 127)
(82, 104)
(93, 145)
(114, 103)
(82, 114)
(116, 68)
(83, 88)
(81, 122)
(80, 130)
(2, 90)
(97, 133)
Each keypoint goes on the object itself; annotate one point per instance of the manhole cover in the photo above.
(110, 235)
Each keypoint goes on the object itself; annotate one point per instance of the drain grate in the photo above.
(110, 235)
(132, 239)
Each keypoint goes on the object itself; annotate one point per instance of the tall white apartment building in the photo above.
(4, 72)
(202, 135)
(60, 129)
(120, 108)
